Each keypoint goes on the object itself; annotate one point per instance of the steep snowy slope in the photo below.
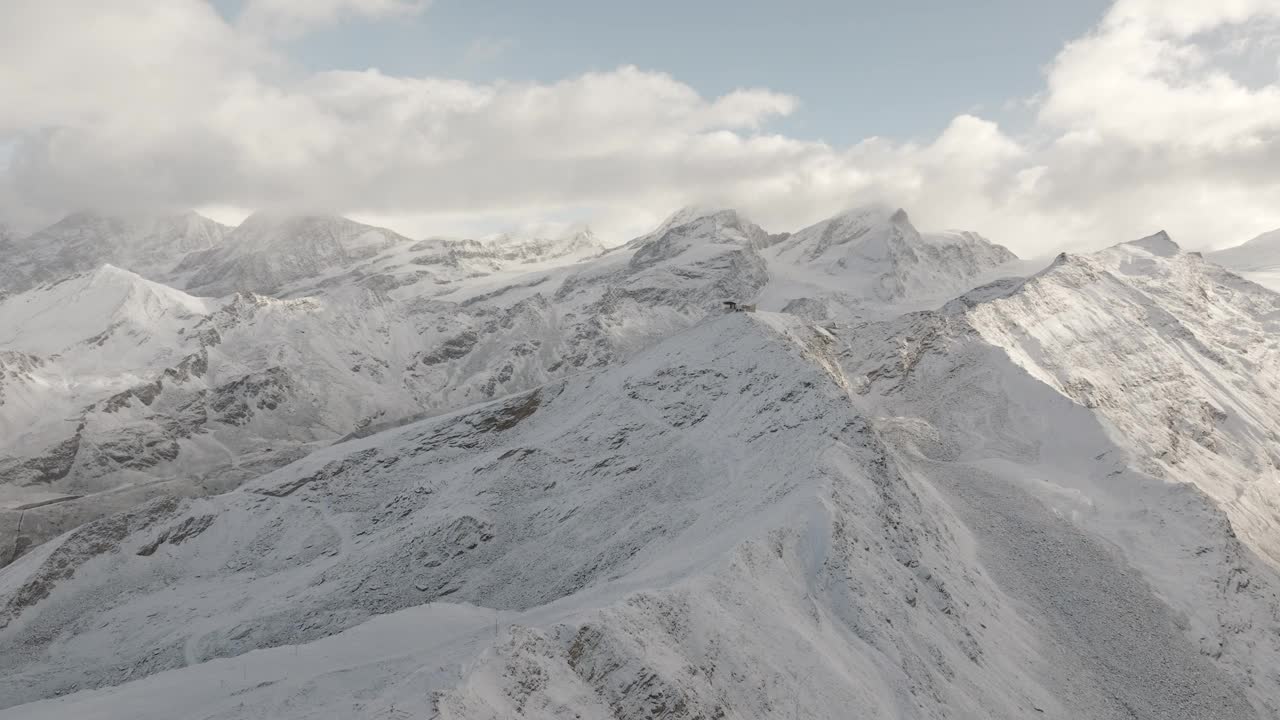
(1260, 253)
(84, 338)
(729, 524)
(150, 246)
(1180, 358)
(378, 338)
(111, 305)
(257, 381)
(1257, 259)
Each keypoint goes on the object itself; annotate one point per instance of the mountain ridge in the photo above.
(917, 480)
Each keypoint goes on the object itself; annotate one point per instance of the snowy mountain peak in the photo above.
(268, 251)
(690, 213)
(274, 228)
(868, 232)
(879, 254)
(1159, 244)
(700, 224)
(707, 222)
(150, 245)
(95, 306)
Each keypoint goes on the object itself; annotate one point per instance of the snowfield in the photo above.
(887, 494)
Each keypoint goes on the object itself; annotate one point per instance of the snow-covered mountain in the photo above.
(571, 485)
(1178, 356)
(1257, 259)
(230, 388)
(876, 252)
(728, 523)
(1260, 253)
(267, 252)
(148, 245)
(504, 250)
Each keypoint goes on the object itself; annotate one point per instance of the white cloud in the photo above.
(291, 17)
(1143, 123)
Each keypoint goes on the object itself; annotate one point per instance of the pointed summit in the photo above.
(1159, 244)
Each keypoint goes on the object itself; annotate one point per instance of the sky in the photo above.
(1043, 125)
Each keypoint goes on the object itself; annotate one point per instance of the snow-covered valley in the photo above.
(538, 478)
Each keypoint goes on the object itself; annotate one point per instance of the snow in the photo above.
(53, 318)
(1053, 495)
(1258, 259)
(1259, 254)
(1176, 355)
(150, 246)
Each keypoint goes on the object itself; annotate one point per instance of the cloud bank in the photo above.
(1165, 115)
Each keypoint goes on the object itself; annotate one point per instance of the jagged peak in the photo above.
(1159, 244)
